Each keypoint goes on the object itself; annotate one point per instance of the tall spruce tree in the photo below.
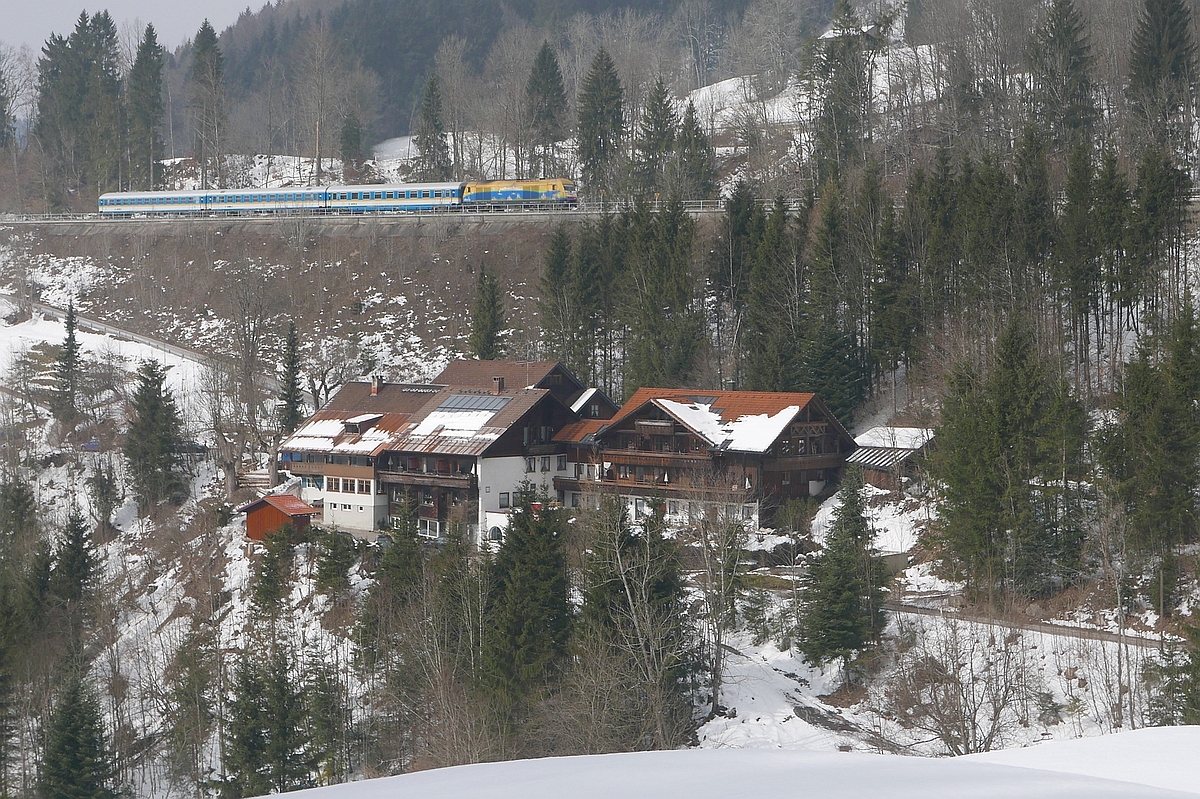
(79, 107)
(291, 396)
(66, 372)
(655, 140)
(547, 99)
(153, 442)
(487, 318)
(144, 104)
(206, 102)
(1010, 459)
(528, 619)
(1163, 74)
(770, 357)
(433, 160)
(694, 166)
(841, 79)
(601, 124)
(1060, 60)
(841, 606)
(662, 309)
(76, 764)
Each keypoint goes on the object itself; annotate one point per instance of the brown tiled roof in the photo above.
(479, 374)
(355, 398)
(578, 432)
(285, 503)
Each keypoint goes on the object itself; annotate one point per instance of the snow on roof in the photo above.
(751, 433)
(579, 404)
(895, 437)
(453, 423)
(363, 418)
(285, 503)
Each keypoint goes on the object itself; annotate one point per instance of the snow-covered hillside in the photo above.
(1147, 763)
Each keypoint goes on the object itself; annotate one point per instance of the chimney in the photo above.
(376, 384)
(499, 383)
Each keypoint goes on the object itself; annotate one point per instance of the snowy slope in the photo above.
(721, 774)
(1164, 757)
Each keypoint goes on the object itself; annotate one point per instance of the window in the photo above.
(364, 486)
(335, 484)
(672, 508)
(574, 500)
(503, 499)
(639, 508)
(427, 497)
(345, 507)
(624, 471)
(595, 410)
(641, 474)
(591, 471)
(530, 465)
(545, 463)
(562, 463)
(360, 508)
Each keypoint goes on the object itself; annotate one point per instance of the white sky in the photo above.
(30, 22)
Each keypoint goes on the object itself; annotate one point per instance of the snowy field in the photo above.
(1147, 763)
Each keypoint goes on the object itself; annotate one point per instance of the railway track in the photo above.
(539, 212)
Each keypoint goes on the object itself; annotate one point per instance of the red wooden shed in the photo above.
(267, 514)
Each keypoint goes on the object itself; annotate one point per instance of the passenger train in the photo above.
(403, 197)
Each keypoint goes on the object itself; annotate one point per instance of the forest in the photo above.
(975, 214)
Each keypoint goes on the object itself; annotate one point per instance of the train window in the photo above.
(425, 193)
(437, 193)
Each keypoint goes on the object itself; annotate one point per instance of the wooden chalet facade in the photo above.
(452, 452)
(694, 450)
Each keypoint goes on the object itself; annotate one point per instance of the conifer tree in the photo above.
(145, 113)
(662, 313)
(770, 357)
(1060, 60)
(487, 318)
(655, 139)
(152, 442)
(66, 373)
(334, 561)
(841, 606)
(326, 708)
(350, 146)
(76, 764)
(433, 161)
(1004, 442)
(894, 319)
(78, 106)
(291, 396)
(1163, 74)
(1033, 205)
(695, 173)
(525, 639)
(562, 310)
(833, 369)
(840, 77)
(74, 563)
(601, 124)
(18, 512)
(206, 100)
(1111, 215)
(547, 99)
(1078, 254)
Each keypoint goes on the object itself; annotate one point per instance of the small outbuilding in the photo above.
(889, 455)
(267, 514)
